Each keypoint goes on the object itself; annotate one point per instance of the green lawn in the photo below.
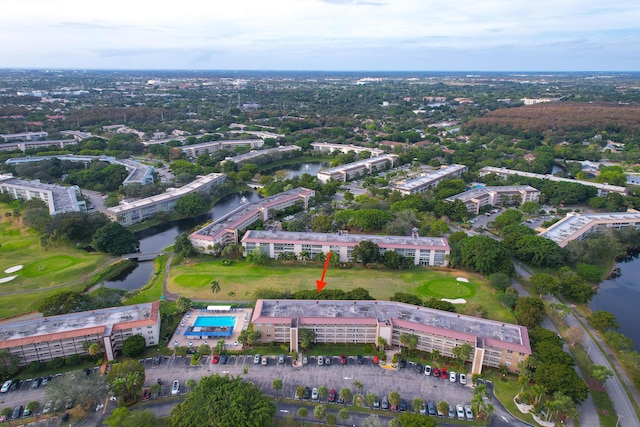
(239, 281)
(42, 269)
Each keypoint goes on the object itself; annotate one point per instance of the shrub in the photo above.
(134, 346)
(73, 360)
(56, 363)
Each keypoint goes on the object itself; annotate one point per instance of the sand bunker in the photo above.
(7, 279)
(462, 279)
(13, 269)
(455, 301)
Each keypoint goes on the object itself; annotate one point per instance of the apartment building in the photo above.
(476, 198)
(194, 150)
(357, 169)
(247, 157)
(224, 230)
(345, 148)
(24, 136)
(365, 322)
(429, 180)
(58, 198)
(28, 145)
(603, 189)
(44, 339)
(430, 251)
(577, 226)
(128, 213)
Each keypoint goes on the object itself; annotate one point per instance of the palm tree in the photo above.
(215, 286)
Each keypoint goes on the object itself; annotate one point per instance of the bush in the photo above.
(195, 359)
(134, 346)
(56, 363)
(73, 360)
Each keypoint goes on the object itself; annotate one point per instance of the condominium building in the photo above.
(44, 339)
(476, 198)
(429, 180)
(128, 213)
(357, 169)
(24, 136)
(58, 198)
(28, 145)
(224, 230)
(244, 158)
(345, 148)
(603, 189)
(194, 150)
(431, 251)
(365, 322)
(577, 226)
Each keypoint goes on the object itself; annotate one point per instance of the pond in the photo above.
(291, 171)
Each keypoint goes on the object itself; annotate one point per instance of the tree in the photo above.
(191, 384)
(85, 390)
(307, 337)
(9, 364)
(529, 311)
(443, 407)
(64, 302)
(94, 349)
(6, 412)
(276, 384)
(485, 255)
(322, 392)
(417, 404)
(346, 395)
(191, 205)
(410, 341)
(33, 406)
(394, 398)
(366, 252)
(408, 419)
(543, 284)
(372, 420)
(183, 304)
(371, 399)
(508, 217)
(123, 417)
(126, 380)
(215, 286)
(223, 401)
(134, 346)
(300, 391)
(182, 245)
(115, 240)
(602, 320)
(343, 414)
(248, 337)
(500, 281)
(600, 374)
(303, 412)
(530, 207)
(575, 335)
(462, 352)
(560, 377)
(319, 412)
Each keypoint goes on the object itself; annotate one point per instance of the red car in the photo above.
(444, 373)
(375, 360)
(332, 395)
(436, 372)
(146, 393)
(215, 358)
(343, 359)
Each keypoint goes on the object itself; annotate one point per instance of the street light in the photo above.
(588, 351)
(618, 422)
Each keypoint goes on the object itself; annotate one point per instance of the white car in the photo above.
(175, 389)
(314, 394)
(427, 370)
(460, 411)
(6, 386)
(256, 359)
(468, 412)
(452, 377)
(463, 379)
(320, 360)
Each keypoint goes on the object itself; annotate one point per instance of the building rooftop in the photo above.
(428, 178)
(330, 238)
(387, 311)
(64, 198)
(564, 230)
(477, 192)
(359, 163)
(257, 153)
(107, 317)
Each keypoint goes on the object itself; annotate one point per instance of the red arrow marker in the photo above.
(321, 283)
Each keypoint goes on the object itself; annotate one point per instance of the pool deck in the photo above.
(243, 318)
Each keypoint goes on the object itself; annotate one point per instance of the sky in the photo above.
(332, 35)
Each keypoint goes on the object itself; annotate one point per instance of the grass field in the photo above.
(239, 281)
(42, 269)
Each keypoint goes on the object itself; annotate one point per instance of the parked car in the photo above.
(47, 407)
(281, 359)
(264, 361)
(68, 403)
(175, 388)
(359, 359)
(432, 407)
(419, 368)
(436, 372)
(157, 360)
(402, 363)
(343, 359)
(468, 412)
(17, 411)
(6, 386)
(423, 408)
(452, 377)
(224, 358)
(26, 412)
(403, 405)
(332, 396)
(305, 360)
(376, 402)
(444, 373)
(427, 370)
(215, 359)
(327, 360)
(460, 411)
(375, 360)
(256, 359)
(146, 393)
(36, 382)
(452, 412)
(307, 393)
(320, 360)
(385, 403)
(463, 379)
(314, 394)
(57, 406)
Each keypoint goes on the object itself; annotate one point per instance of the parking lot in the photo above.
(409, 381)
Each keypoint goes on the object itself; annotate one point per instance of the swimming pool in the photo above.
(214, 321)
